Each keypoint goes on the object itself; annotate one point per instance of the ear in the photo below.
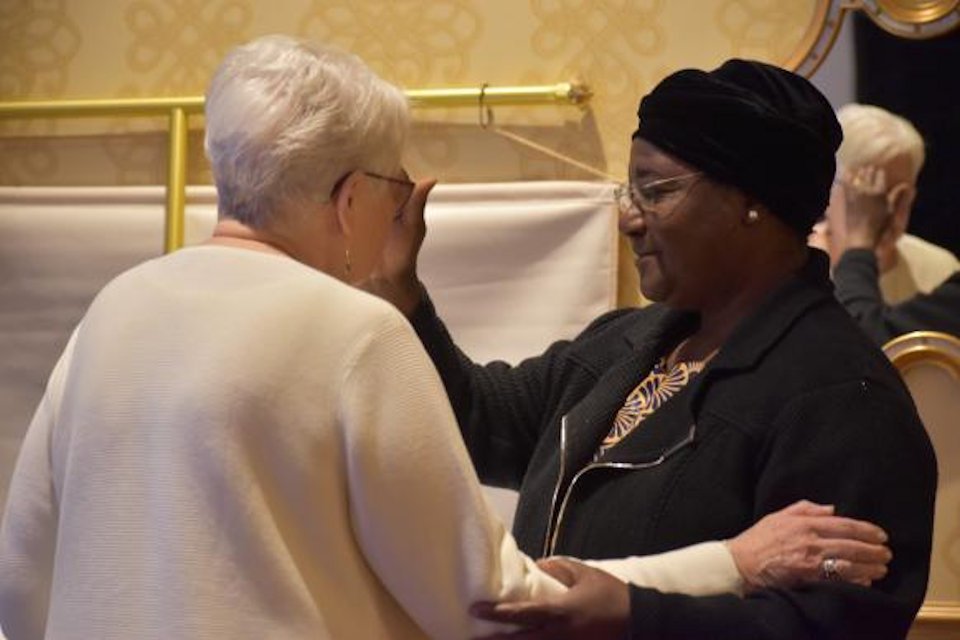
(900, 202)
(343, 202)
(754, 213)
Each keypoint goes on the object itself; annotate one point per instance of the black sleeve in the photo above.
(856, 280)
(501, 409)
(861, 447)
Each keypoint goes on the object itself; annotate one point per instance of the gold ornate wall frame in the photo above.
(914, 19)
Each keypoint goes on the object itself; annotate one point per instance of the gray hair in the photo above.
(872, 135)
(285, 119)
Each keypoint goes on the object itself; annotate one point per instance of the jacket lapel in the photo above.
(673, 424)
(589, 421)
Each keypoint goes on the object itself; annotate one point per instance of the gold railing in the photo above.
(178, 110)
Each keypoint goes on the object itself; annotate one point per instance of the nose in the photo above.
(631, 224)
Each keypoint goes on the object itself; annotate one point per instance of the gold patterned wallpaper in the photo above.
(127, 48)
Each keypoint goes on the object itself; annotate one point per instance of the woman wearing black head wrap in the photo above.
(747, 387)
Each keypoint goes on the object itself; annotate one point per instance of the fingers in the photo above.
(413, 210)
(857, 551)
(523, 634)
(525, 614)
(868, 179)
(807, 508)
(867, 560)
(840, 527)
(857, 547)
(860, 573)
(854, 561)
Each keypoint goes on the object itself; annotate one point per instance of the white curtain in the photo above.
(511, 268)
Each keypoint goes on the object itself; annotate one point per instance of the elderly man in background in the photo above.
(906, 264)
(869, 213)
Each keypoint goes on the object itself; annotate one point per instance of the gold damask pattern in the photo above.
(176, 44)
(25, 160)
(128, 48)
(613, 46)
(412, 44)
(39, 41)
(603, 38)
(763, 29)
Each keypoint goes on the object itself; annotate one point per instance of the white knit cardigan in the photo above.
(234, 445)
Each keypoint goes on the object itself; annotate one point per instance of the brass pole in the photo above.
(176, 181)
(179, 107)
(561, 93)
(99, 107)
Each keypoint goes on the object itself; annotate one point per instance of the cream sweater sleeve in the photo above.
(704, 569)
(416, 505)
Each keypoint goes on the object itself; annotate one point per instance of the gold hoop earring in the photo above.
(347, 264)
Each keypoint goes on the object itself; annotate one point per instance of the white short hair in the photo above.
(285, 119)
(872, 135)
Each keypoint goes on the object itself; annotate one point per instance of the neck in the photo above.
(233, 233)
(306, 240)
(886, 257)
(737, 303)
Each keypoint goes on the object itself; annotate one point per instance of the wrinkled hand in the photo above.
(596, 607)
(788, 547)
(395, 278)
(869, 206)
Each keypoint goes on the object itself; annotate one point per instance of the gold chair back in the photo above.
(929, 363)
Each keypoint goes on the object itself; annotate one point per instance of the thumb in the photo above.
(564, 570)
(413, 209)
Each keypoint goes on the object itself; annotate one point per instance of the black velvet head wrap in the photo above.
(757, 127)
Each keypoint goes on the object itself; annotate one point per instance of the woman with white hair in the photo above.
(238, 443)
(906, 265)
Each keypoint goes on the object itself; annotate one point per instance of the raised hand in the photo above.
(869, 206)
(395, 278)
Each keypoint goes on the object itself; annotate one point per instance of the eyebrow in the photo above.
(646, 175)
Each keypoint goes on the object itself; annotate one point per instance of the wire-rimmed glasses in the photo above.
(656, 199)
(401, 189)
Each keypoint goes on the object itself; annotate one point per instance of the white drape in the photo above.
(511, 268)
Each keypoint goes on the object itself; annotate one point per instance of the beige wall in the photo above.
(126, 48)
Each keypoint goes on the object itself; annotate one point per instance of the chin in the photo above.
(652, 292)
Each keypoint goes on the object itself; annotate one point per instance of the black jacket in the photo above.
(797, 404)
(856, 277)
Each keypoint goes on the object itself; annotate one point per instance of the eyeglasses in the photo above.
(401, 189)
(656, 199)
